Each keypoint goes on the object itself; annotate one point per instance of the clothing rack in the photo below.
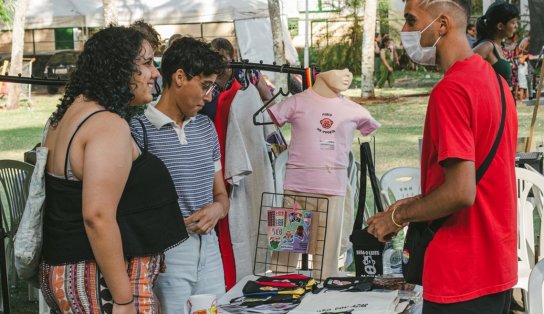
(285, 68)
(244, 64)
(32, 80)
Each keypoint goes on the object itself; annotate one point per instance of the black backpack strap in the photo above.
(437, 223)
(367, 164)
(483, 167)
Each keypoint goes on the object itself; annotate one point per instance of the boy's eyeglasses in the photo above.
(207, 87)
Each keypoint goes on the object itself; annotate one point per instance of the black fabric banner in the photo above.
(536, 14)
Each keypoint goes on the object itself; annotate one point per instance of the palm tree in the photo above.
(277, 39)
(110, 12)
(17, 50)
(367, 63)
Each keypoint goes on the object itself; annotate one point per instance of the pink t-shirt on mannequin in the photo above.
(323, 125)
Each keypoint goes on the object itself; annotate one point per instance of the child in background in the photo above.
(523, 72)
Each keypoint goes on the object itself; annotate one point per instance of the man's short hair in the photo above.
(463, 5)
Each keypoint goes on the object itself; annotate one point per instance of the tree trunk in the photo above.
(17, 49)
(367, 66)
(110, 12)
(280, 80)
(536, 12)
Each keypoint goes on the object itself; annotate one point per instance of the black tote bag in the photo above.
(367, 250)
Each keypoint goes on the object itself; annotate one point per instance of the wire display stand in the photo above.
(277, 263)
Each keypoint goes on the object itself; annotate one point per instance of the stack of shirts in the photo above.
(276, 294)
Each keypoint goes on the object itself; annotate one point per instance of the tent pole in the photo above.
(306, 35)
(33, 44)
(535, 110)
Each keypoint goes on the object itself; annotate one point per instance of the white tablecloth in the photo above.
(367, 302)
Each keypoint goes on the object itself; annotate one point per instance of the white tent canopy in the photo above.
(252, 25)
(89, 13)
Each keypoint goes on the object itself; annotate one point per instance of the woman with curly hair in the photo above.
(111, 206)
(500, 21)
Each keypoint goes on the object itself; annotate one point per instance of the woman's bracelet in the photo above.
(393, 217)
(126, 303)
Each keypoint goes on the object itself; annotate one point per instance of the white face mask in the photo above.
(412, 44)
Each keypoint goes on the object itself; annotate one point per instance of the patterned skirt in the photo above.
(81, 288)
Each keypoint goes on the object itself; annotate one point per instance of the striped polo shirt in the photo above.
(191, 154)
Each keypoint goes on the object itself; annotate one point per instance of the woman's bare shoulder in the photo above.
(484, 49)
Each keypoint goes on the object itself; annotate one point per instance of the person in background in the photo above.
(471, 34)
(500, 21)
(255, 77)
(188, 145)
(173, 38)
(377, 60)
(524, 45)
(225, 80)
(149, 32)
(462, 122)
(111, 206)
(394, 53)
(158, 82)
(386, 68)
(523, 73)
(154, 39)
(510, 50)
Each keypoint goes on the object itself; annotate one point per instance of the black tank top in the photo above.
(148, 214)
(502, 66)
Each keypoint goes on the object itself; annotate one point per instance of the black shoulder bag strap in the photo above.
(366, 164)
(437, 223)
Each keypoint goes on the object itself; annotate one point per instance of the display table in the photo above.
(381, 301)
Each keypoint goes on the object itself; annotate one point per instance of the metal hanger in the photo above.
(266, 105)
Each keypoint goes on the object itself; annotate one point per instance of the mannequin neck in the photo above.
(323, 89)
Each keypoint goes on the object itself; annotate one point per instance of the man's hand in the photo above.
(382, 225)
(205, 219)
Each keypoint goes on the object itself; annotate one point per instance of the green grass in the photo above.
(21, 129)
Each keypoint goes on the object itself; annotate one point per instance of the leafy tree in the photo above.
(347, 52)
(6, 11)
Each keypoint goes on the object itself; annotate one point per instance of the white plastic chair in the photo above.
(527, 181)
(401, 182)
(534, 295)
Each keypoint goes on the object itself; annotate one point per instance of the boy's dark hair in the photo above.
(104, 72)
(193, 56)
(150, 34)
(469, 26)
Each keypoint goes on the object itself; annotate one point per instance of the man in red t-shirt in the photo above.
(471, 264)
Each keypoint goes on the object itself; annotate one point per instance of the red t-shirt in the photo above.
(475, 252)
